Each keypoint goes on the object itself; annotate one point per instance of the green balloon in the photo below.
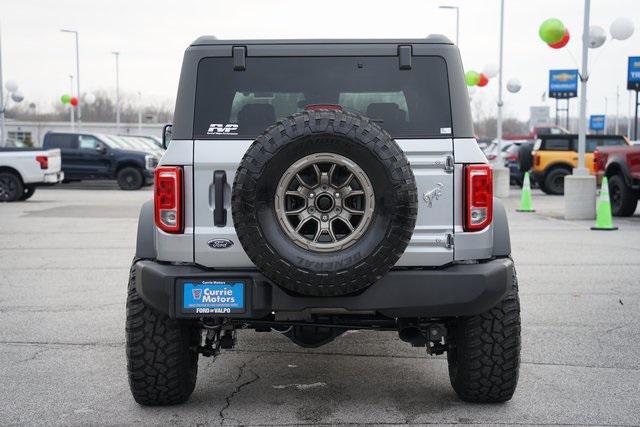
(551, 31)
(65, 99)
(472, 78)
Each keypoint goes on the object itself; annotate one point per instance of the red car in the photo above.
(621, 166)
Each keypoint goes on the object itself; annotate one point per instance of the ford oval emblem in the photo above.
(220, 243)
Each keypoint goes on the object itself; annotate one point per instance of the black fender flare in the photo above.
(616, 163)
(501, 236)
(146, 240)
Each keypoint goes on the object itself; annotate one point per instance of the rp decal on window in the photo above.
(222, 129)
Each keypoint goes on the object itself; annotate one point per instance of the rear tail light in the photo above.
(168, 203)
(536, 159)
(598, 161)
(44, 162)
(478, 197)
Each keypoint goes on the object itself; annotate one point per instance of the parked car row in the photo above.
(87, 156)
(70, 156)
(555, 157)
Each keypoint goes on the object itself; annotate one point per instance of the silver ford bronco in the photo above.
(311, 187)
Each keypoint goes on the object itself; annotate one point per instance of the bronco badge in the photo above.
(220, 243)
(432, 195)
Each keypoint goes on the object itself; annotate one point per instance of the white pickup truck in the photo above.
(23, 169)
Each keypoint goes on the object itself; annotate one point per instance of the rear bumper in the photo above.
(53, 178)
(455, 290)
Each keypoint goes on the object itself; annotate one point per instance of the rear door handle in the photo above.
(219, 211)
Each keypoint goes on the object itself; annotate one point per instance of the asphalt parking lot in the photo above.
(64, 262)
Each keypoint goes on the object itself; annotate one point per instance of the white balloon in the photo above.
(17, 97)
(490, 70)
(514, 85)
(11, 85)
(621, 28)
(597, 36)
(89, 98)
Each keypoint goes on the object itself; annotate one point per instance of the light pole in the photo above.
(457, 9)
(77, 75)
(2, 136)
(617, 109)
(500, 102)
(140, 113)
(71, 112)
(117, 55)
(580, 187)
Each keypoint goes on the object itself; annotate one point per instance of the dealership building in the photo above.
(20, 131)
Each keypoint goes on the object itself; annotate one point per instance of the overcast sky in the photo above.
(152, 35)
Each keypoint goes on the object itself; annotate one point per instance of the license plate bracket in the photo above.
(212, 296)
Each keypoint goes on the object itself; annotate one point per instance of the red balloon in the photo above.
(73, 101)
(563, 42)
(484, 80)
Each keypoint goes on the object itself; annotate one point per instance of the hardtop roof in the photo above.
(214, 41)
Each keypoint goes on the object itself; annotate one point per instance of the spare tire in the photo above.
(525, 159)
(324, 202)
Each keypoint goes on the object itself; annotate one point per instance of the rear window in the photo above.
(599, 141)
(61, 140)
(241, 104)
(557, 144)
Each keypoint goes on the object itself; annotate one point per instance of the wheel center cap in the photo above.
(324, 203)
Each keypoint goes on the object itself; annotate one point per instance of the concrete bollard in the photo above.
(579, 197)
(500, 182)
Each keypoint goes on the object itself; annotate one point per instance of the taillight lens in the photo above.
(44, 162)
(168, 199)
(598, 161)
(478, 197)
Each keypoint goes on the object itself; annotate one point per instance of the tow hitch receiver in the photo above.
(430, 335)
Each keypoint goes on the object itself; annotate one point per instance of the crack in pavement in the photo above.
(237, 390)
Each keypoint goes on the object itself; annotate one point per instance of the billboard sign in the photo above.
(633, 75)
(539, 116)
(597, 122)
(563, 83)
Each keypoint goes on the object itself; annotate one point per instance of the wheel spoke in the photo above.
(353, 211)
(346, 181)
(331, 172)
(302, 181)
(351, 193)
(295, 211)
(324, 178)
(303, 222)
(316, 169)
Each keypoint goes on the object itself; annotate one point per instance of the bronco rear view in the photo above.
(313, 187)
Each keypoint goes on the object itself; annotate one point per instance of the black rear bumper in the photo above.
(455, 290)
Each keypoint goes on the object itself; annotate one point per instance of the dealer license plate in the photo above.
(213, 297)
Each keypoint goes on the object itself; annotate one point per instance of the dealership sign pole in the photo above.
(563, 84)
(2, 138)
(580, 187)
(633, 83)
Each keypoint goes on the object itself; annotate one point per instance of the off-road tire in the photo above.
(342, 271)
(28, 191)
(525, 159)
(623, 200)
(552, 181)
(162, 357)
(11, 187)
(130, 178)
(484, 351)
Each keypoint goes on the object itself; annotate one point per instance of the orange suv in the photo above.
(555, 156)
